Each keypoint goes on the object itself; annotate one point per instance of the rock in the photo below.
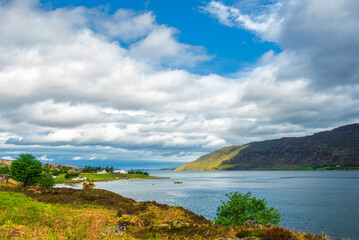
(4, 177)
(251, 224)
(179, 224)
(161, 226)
(116, 230)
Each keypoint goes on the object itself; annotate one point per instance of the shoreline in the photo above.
(111, 180)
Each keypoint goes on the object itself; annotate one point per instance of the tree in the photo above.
(240, 208)
(71, 175)
(46, 180)
(26, 169)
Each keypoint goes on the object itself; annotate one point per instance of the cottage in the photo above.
(120, 171)
(101, 172)
(79, 178)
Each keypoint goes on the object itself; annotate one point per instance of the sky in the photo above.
(155, 83)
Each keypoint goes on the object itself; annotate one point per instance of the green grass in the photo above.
(101, 177)
(139, 176)
(22, 217)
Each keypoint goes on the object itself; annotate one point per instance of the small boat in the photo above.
(178, 182)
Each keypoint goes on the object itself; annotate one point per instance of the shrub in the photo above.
(138, 172)
(240, 208)
(278, 233)
(4, 170)
(250, 233)
(46, 180)
(71, 175)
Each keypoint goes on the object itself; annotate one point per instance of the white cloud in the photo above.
(77, 158)
(231, 16)
(161, 47)
(7, 158)
(126, 25)
(45, 158)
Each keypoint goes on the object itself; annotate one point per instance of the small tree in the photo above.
(46, 180)
(26, 169)
(240, 208)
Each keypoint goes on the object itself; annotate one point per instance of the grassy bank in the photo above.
(64, 213)
(103, 177)
(25, 218)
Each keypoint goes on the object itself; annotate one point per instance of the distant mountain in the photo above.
(336, 149)
(62, 164)
(4, 163)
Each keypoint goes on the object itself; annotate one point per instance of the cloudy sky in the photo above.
(157, 83)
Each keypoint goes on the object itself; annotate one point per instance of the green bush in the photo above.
(240, 208)
(138, 172)
(250, 233)
(46, 180)
(56, 172)
(71, 175)
(4, 170)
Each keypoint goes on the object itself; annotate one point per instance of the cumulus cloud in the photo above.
(45, 158)
(161, 47)
(118, 85)
(125, 24)
(231, 16)
(317, 37)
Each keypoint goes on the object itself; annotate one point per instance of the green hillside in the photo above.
(212, 161)
(4, 163)
(330, 150)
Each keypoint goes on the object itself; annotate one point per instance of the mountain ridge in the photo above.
(337, 147)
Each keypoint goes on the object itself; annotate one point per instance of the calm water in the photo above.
(311, 201)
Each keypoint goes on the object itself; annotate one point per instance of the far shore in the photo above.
(110, 180)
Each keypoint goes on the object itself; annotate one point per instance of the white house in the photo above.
(79, 178)
(101, 172)
(120, 171)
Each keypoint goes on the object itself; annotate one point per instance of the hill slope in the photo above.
(211, 161)
(4, 162)
(337, 147)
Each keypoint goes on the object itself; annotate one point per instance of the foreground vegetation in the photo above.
(102, 177)
(35, 210)
(25, 218)
(64, 213)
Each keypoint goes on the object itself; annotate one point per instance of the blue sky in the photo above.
(232, 48)
(152, 84)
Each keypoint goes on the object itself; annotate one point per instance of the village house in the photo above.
(120, 171)
(79, 178)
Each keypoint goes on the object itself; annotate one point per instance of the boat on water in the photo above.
(177, 182)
